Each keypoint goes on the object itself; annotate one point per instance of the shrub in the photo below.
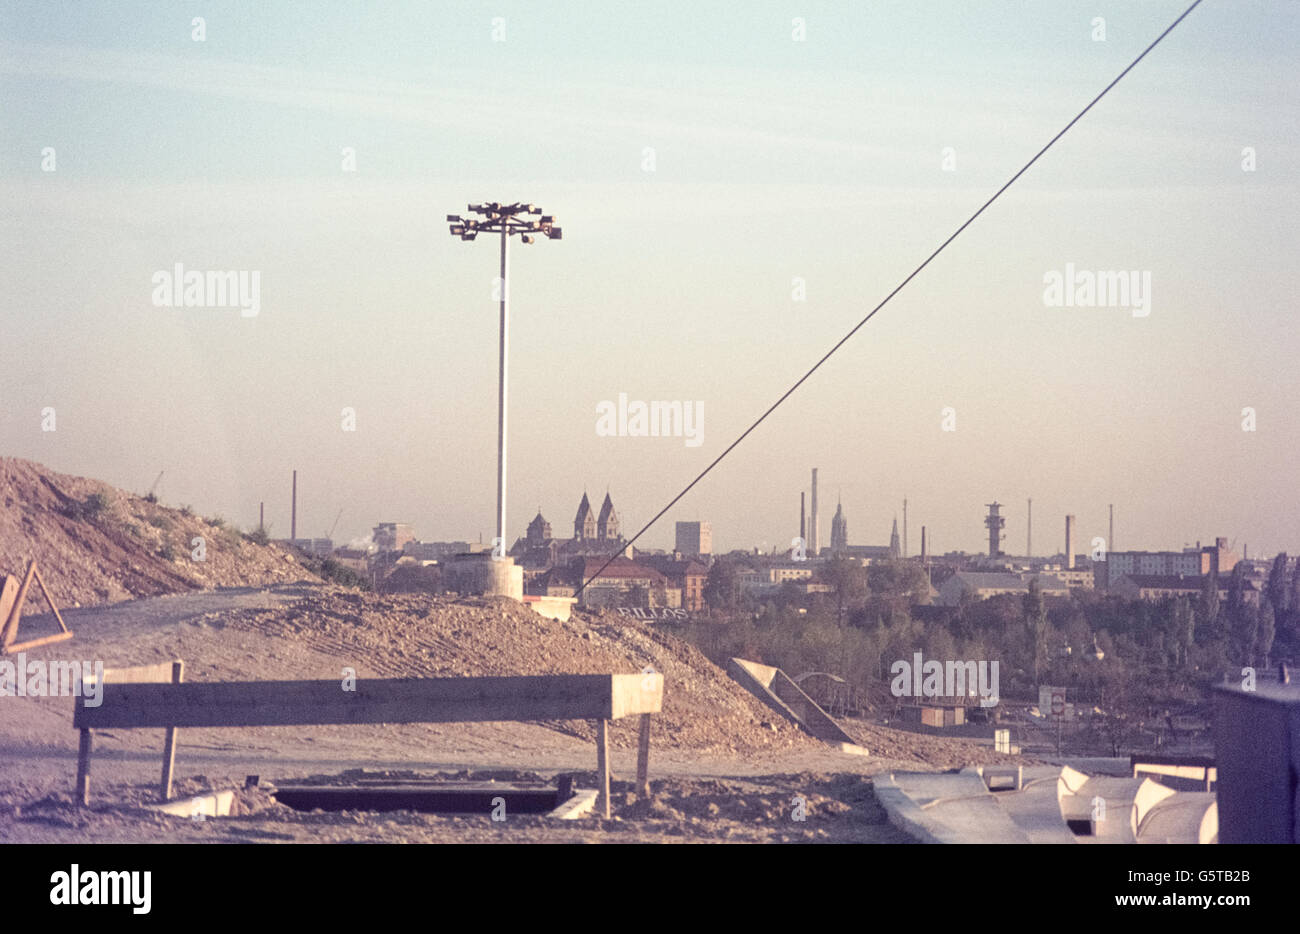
(258, 537)
(89, 508)
(331, 570)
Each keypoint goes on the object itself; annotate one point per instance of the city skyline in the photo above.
(764, 229)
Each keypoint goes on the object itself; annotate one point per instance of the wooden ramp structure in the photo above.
(604, 697)
(12, 596)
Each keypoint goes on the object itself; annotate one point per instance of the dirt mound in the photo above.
(97, 544)
(420, 635)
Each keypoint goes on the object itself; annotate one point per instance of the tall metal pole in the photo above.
(501, 401)
(505, 219)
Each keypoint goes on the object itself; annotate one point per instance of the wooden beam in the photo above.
(643, 758)
(48, 599)
(169, 744)
(161, 673)
(10, 631)
(8, 590)
(634, 694)
(390, 700)
(602, 767)
(83, 769)
(33, 643)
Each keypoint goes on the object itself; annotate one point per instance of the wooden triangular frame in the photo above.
(12, 596)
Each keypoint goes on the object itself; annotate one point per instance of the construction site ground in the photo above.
(723, 766)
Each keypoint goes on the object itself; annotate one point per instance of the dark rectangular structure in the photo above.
(1257, 754)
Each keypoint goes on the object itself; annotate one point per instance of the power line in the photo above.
(898, 288)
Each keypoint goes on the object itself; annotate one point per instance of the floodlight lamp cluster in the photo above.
(507, 218)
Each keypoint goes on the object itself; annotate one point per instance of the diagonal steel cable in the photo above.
(898, 288)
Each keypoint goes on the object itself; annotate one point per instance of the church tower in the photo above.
(584, 523)
(894, 549)
(607, 523)
(839, 530)
(539, 530)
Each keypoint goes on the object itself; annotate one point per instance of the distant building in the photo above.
(392, 536)
(584, 523)
(316, 547)
(539, 530)
(623, 583)
(694, 538)
(439, 551)
(978, 585)
(1190, 562)
(995, 522)
(687, 576)
(1159, 586)
(594, 534)
(607, 522)
(839, 530)
(353, 558)
(869, 554)
(894, 549)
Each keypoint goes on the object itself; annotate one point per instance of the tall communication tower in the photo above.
(995, 523)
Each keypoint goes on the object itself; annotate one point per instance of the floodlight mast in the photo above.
(506, 220)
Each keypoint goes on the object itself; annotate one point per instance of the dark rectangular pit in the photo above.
(430, 797)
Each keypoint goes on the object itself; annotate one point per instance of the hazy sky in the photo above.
(773, 159)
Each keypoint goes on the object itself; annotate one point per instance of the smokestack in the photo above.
(905, 527)
(293, 509)
(803, 528)
(1069, 543)
(1029, 534)
(261, 517)
(924, 554)
(1110, 541)
(814, 542)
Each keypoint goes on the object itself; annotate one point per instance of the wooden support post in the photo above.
(8, 591)
(643, 758)
(48, 599)
(169, 744)
(602, 767)
(83, 769)
(10, 631)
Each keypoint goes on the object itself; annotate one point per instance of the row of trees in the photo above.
(1107, 650)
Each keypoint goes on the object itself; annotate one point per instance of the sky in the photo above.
(734, 199)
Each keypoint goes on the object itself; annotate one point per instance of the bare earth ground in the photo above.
(723, 766)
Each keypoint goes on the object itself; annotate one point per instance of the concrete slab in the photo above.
(1185, 817)
(946, 807)
(778, 690)
(580, 805)
(217, 804)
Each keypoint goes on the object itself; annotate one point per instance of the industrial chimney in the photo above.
(1069, 543)
(814, 542)
(293, 509)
